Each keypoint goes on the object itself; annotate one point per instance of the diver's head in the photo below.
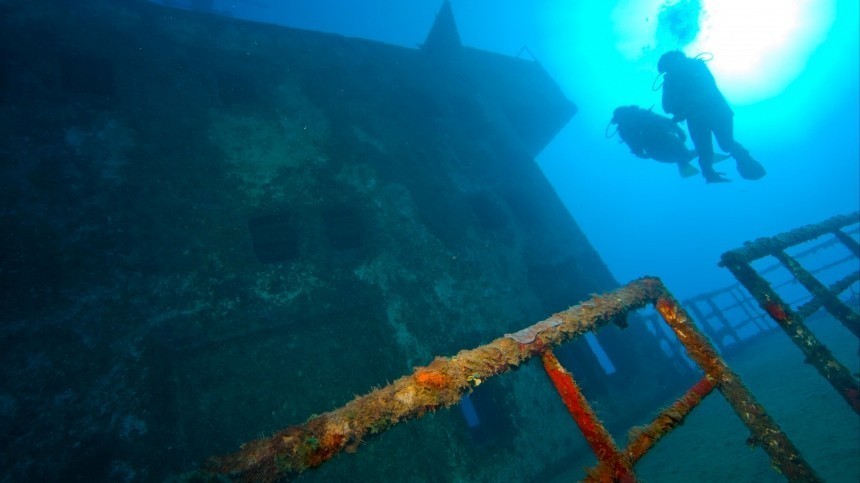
(669, 61)
(623, 112)
(619, 115)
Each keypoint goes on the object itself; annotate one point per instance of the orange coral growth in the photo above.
(775, 310)
(324, 448)
(332, 440)
(430, 378)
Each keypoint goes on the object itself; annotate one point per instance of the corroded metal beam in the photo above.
(641, 439)
(765, 432)
(850, 243)
(738, 262)
(819, 291)
(841, 285)
(763, 247)
(817, 354)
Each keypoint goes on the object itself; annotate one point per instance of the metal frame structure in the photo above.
(446, 380)
(792, 322)
(730, 317)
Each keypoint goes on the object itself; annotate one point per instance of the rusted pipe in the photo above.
(641, 439)
(614, 465)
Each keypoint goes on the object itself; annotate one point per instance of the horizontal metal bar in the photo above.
(766, 246)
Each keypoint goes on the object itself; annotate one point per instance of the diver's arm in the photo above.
(668, 102)
(638, 148)
(635, 142)
(668, 126)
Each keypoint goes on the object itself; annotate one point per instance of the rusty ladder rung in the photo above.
(615, 465)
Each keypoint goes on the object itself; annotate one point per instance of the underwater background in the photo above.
(222, 218)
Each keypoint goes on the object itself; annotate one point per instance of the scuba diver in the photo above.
(652, 136)
(690, 93)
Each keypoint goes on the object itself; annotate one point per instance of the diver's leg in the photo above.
(701, 137)
(748, 167)
(724, 132)
(700, 134)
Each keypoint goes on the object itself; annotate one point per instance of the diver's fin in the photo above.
(751, 169)
(686, 170)
(715, 177)
(717, 156)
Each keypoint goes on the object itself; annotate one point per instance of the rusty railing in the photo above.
(446, 379)
(792, 322)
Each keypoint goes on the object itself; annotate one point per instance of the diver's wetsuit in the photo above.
(690, 92)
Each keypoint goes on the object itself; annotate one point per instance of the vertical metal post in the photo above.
(614, 465)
